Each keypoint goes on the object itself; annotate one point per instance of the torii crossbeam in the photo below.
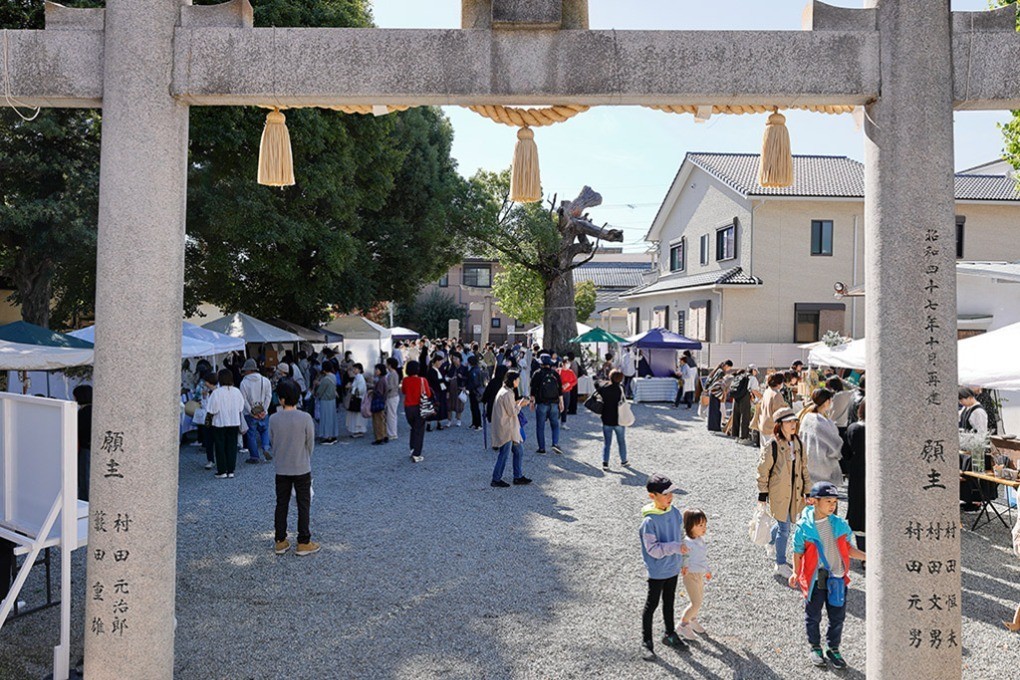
(146, 61)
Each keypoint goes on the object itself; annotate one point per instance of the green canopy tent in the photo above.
(598, 335)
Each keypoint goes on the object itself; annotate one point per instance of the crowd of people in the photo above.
(809, 429)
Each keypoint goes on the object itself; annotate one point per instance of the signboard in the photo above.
(477, 329)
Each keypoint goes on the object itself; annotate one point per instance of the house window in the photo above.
(960, 221)
(726, 243)
(478, 275)
(678, 256)
(495, 322)
(821, 237)
(705, 245)
(807, 327)
(681, 323)
(813, 320)
(444, 280)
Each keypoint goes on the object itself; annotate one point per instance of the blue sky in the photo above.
(629, 154)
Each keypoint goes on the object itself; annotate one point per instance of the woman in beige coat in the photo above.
(771, 401)
(506, 431)
(783, 483)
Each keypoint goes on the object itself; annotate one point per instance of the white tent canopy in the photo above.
(850, 355)
(358, 328)
(990, 360)
(15, 356)
(190, 347)
(538, 333)
(251, 330)
(222, 343)
(366, 340)
(404, 333)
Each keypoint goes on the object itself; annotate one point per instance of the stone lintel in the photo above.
(57, 68)
(478, 14)
(231, 14)
(1002, 19)
(61, 18)
(985, 73)
(322, 67)
(527, 13)
(820, 16)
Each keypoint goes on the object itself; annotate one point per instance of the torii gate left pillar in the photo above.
(140, 273)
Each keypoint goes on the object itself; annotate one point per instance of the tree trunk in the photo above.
(34, 282)
(560, 317)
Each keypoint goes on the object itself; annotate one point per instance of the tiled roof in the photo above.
(620, 275)
(732, 276)
(830, 176)
(834, 177)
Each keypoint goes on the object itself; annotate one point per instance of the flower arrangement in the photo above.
(834, 339)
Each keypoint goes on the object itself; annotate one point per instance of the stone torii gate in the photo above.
(145, 62)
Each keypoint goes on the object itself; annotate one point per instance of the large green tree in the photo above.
(374, 213)
(369, 219)
(49, 168)
(521, 294)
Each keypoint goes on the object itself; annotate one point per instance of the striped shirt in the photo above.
(830, 548)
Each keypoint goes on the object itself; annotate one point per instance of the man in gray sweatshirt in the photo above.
(292, 433)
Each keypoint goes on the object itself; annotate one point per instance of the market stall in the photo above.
(401, 333)
(32, 355)
(366, 340)
(659, 346)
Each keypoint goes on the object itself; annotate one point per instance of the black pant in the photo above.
(714, 414)
(741, 417)
(476, 412)
(417, 423)
(225, 448)
(6, 566)
(84, 470)
(206, 438)
(666, 588)
(302, 487)
(572, 402)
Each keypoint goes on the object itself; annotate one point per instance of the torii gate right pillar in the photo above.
(913, 535)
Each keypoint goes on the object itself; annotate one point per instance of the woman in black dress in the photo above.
(853, 457)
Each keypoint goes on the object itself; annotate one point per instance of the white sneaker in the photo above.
(564, 426)
(210, 465)
(418, 459)
(784, 570)
(697, 627)
(684, 631)
(770, 550)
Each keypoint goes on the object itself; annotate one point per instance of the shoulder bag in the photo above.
(425, 406)
(626, 415)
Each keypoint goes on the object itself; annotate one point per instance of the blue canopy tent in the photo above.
(660, 346)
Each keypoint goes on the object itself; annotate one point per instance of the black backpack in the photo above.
(549, 387)
(741, 391)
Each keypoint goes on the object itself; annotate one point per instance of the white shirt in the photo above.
(359, 387)
(256, 389)
(627, 365)
(690, 376)
(753, 385)
(979, 421)
(226, 404)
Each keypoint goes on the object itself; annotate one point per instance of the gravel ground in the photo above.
(427, 572)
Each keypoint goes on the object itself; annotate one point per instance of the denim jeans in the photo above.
(780, 539)
(621, 441)
(257, 434)
(504, 452)
(550, 412)
(813, 617)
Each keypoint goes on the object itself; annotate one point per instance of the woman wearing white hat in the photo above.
(783, 483)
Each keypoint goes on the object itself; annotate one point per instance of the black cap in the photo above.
(824, 490)
(661, 484)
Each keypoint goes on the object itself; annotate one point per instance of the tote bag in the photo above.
(626, 415)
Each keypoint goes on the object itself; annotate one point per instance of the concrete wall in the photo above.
(705, 204)
(991, 232)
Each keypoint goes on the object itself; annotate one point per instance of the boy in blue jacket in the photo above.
(822, 548)
(662, 536)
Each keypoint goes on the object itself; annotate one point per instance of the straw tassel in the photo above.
(525, 178)
(776, 163)
(276, 164)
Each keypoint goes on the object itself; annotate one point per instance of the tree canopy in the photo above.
(521, 294)
(377, 204)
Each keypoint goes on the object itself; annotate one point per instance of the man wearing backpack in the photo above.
(547, 401)
(745, 387)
